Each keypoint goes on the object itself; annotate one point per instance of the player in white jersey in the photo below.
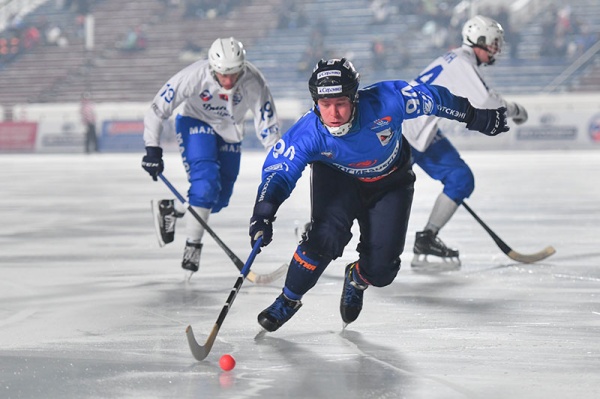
(458, 71)
(215, 95)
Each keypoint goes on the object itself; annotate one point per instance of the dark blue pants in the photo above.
(382, 209)
(212, 165)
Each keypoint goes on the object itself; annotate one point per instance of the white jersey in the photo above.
(456, 70)
(224, 110)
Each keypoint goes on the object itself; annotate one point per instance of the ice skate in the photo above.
(432, 255)
(278, 313)
(165, 217)
(191, 256)
(352, 296)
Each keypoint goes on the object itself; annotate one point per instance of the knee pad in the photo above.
(224, 196)
(327, 240)
(378, 276)
(205, 185)
(459, 184)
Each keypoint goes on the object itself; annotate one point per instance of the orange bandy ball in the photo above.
(227, 362)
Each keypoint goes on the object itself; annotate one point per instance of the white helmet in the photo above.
(227, 56)
(485, 33)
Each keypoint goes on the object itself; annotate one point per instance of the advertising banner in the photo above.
(60, 136)
(18, 136)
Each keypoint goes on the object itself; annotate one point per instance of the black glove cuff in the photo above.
(470, 114)
(265, 209)
(154, 152)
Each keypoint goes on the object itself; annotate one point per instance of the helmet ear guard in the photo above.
(227, 56)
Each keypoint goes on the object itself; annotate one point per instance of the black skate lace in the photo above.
(191, 254)
(169, 223)
(353, 293)
(281, 310)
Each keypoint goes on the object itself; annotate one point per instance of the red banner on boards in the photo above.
(18, 136)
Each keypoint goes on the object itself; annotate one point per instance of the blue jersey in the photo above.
(372, 147)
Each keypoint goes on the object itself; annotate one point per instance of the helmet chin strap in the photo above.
(338, 131)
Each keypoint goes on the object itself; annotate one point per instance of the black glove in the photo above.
(488, 121)
(152, 162)
(261, 223)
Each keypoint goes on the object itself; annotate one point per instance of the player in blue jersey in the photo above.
(457, 70)
(361, 170)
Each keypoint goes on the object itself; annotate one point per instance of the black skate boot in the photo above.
(278, 313)
(428, 244)
(165, 217)
(352, 296)
(191, 256)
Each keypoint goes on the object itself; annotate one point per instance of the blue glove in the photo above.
(152, 162)
(488, 121)
(261, 223)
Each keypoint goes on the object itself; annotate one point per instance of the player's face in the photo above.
(227, 81)
(335, 111)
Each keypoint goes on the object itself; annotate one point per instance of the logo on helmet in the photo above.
(329, 89)
(325, 74)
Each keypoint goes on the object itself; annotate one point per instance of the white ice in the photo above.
(91, 307)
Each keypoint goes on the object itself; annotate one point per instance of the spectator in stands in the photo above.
(135, 39)
(56, 37)
(291, 15)
(314, 50)
(584, 38)
(191, 52)
(380, 11)
(88, 117)
(512, 35)
(31, 37)
(378, 55)
(456, 70)
(215, 96)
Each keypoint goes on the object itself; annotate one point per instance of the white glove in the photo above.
(520, 115)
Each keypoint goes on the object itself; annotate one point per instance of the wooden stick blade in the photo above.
(270, 277)
(201, 352)
(531, 258)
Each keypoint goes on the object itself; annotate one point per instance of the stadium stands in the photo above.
(50, 73)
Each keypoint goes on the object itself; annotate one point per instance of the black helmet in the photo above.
(334, 78)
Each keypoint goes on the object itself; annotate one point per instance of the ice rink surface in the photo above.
(91, 307)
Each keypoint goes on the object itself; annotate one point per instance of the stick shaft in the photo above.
(238, 263)
(514, 255)
(501, 244)
(201, 351)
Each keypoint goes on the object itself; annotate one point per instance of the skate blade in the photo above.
(189, 275)
(423, 264)
(260, 334)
